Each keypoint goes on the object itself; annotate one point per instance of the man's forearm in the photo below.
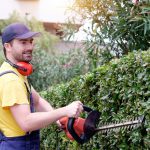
(43, 106)
(32, 121)
(39, 120)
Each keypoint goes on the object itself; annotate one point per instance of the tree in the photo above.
(117, 26)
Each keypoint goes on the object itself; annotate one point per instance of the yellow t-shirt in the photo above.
(12, 91)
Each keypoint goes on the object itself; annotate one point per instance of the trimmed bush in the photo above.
(55, 69)
(119, 90)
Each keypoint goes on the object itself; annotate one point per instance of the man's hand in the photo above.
(74, 109)
(59, 124)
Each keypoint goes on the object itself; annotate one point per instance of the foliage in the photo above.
(1, 58)
(55, 69)
(46, 41)
(14, 17)
(119, 90)
(115, 28)
(1, 54)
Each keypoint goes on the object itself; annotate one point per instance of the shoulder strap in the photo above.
(28, 91)
(5, 72)
(10, 71)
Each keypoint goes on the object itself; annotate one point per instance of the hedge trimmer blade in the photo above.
(122, 125)
(82, 129)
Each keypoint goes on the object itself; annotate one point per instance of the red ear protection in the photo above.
(23, 68)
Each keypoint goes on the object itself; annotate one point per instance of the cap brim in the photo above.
(28, 35)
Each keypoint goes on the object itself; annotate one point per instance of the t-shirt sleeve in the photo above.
(14, 92)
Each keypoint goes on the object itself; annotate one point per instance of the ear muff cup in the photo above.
(24, 68)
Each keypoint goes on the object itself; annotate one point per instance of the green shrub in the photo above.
(114, 27)
(1, 54)
(119, 90)
(55, 69)
(125, 23)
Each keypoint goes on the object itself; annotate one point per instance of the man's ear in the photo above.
(7, 46)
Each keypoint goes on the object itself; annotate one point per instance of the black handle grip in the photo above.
(86, 108)
(72, 131)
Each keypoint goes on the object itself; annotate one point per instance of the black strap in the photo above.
(72, 131)
(28, 90)
(16, 66)
(9, 71)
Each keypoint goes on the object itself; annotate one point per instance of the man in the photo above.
(22, 111)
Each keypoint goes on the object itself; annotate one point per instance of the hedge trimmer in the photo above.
(82, 130)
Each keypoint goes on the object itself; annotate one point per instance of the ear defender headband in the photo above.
(23, 68)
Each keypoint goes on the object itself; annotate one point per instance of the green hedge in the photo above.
(119, 90)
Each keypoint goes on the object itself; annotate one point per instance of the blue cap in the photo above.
(17, 31)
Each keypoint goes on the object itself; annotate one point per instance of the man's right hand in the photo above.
(74, 109)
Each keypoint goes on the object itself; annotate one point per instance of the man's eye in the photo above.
(23, 42)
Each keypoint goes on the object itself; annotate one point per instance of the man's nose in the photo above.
(30, 46)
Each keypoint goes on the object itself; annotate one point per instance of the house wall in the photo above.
(30, 7)
(43, 10)
(21, 6)
(6, 8)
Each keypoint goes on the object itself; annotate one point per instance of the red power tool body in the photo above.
(78, 126)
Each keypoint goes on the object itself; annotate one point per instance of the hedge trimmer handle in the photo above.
(75, 127)
(78, 135)
(87, 109)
